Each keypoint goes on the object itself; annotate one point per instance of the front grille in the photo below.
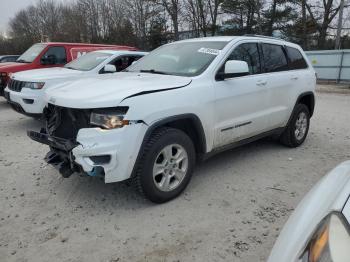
(16, 85)
(64, 122)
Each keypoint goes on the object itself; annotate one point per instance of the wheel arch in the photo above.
(183, 122)
(189, 124)
(308, 99)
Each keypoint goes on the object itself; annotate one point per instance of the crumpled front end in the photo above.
(77, 146)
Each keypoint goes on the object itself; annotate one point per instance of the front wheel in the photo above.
(296, 132)
(166, 165)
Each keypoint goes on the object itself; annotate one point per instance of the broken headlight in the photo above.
(109, 118)
(330, 242)
(34, 85)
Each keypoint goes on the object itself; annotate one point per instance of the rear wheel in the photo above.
(296, 132)
(166, 165)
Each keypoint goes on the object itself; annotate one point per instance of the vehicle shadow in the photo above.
(111, 197)
(4, 104)
(81, 189)
(250, 150)
(237, 157)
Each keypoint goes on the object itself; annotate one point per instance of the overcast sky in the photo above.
(8, 10)
(10, 7)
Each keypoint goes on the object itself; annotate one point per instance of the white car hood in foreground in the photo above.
(109, 90)
(328, 195)
(45, 74)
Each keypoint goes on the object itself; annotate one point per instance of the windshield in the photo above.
(182, 58)
(88, 62)
(32, 53)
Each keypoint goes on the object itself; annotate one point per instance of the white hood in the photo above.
(109, 90)
(45, 74)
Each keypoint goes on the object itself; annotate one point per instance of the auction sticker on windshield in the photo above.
(209, 51)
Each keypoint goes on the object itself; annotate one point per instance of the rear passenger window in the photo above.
(249, 53)
(274, 58)
(59, 53)
(296, 59)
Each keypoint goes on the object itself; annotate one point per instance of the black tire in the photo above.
(144, 179)
(289, 137)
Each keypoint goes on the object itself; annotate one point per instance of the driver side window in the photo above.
(124, 62)
(249, 53)
(57, 54)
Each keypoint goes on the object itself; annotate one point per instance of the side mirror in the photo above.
(109, 69)
(234, 68)
(48, 60)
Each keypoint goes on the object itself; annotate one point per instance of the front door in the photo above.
(241, 102)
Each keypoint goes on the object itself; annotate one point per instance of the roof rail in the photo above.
(263, 36)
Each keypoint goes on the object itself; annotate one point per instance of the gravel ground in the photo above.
(233, 209)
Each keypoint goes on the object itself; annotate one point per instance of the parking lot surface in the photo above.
(233, 209)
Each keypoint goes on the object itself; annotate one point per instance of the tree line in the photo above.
(150, 23)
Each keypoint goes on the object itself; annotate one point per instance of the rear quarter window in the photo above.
(275, 59)
(296, 59)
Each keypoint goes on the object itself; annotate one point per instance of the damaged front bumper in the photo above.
(44, 138)
(60, 155)
(95, 151)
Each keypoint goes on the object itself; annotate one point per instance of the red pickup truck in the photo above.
(44, 55)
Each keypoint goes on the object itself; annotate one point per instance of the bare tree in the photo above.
(140, 14)
(173, 8)
(146, 23)
(213, 6)
(49, 13)
(198, 15)
(304, 22)
(272, 17)
(323, 15)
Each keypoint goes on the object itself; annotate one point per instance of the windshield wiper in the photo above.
(22, 61)
(152, 71)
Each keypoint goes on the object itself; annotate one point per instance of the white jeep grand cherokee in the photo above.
(183, 102)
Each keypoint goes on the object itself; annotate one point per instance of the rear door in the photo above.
(301, 77)
(278, 83)
(241, 102)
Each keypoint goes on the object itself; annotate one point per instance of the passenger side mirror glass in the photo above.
(234, 68)
(109, 69)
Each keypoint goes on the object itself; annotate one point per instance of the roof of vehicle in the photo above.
(212, 38)
(231, 38)
(122, 52)
(77, 44)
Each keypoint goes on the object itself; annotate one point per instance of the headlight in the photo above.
(34, 85)
(109, 118)
(330, 243)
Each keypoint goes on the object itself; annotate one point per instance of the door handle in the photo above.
(261, 83)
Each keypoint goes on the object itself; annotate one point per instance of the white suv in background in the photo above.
(181, 103)
(26, 89)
